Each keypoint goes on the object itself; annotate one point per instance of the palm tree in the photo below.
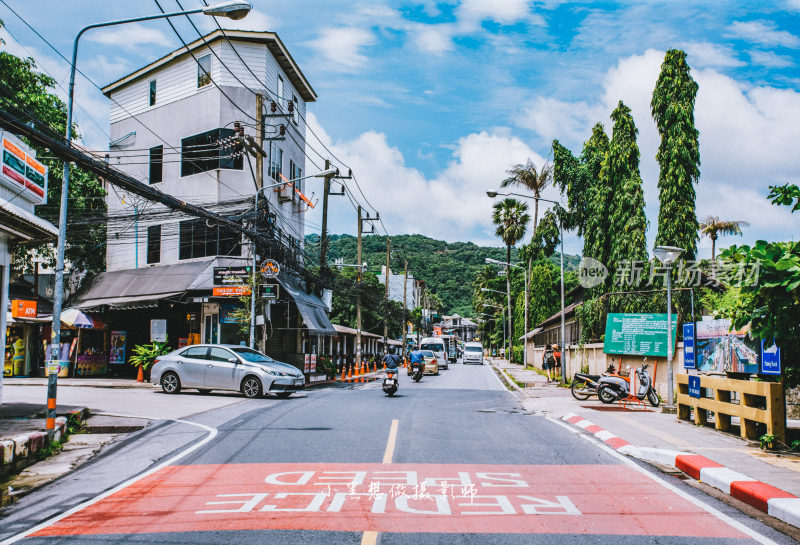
(528, 177)
(712, 227)
(511, 218)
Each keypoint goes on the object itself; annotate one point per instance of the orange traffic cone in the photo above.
(349, 372)
(343, 374)
(384, 366)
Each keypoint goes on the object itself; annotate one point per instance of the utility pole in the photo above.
(259, 177)
(259, 141)
(405, 283)
(358, 294)
(386, 312)
(323, 239)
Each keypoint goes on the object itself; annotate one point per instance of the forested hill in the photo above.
(448, 269)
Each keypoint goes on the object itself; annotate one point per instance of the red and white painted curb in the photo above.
(773, 501)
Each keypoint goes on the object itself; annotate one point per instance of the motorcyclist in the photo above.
(416, 359)
(391, 360)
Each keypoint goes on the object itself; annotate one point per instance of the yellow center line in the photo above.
(371, 538)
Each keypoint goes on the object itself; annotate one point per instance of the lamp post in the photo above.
(503, 321)
(494, 193)
(667, 255)
(323, 174)
(232, 9)
(525, 274)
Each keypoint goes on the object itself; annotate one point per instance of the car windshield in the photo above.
(427, 354)
(433, 346)
(251, 355)
(473, 349)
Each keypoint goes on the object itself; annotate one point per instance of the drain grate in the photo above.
(112, 429)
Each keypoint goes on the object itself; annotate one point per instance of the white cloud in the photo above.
(130, 36)
(342, 47)
(770, 59)
(702, 54)
(793, 5)
(448, 206)
(764, 34)
(506, 12)
(434, 39)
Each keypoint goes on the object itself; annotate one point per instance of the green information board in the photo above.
(638, 334)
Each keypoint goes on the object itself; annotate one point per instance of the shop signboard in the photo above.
(232, 276)
(268, 291)
(226, 314)
(270, 268)
(158, 330)
(118, 346)
(638, 334)
(23, 309)
(230, 291)
(688, 346)
(770, 359)
(20, 171)
(718, 349)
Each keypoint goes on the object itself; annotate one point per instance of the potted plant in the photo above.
(144, 355)
(326, 364)
(766, 441)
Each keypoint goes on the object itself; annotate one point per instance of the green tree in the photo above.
(26, 88)
(620, 173)
(511, 218)
(713, 227)
(678, 154)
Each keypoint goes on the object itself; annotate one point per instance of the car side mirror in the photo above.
(233, 360)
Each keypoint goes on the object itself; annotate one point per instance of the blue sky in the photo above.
(431, 102)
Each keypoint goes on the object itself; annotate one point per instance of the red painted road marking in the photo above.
(581, 499)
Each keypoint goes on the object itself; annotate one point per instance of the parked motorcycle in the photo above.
(585, 385)
(613, 388)
(390, 382)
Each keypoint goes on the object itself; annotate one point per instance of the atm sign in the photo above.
(21, 171)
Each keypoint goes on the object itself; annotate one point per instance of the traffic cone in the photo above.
(384, 366)
(349, 372)
(343, 374)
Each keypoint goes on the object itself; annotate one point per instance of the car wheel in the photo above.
(251, 387)
(170, 383)
(203, 391)
(284, 395)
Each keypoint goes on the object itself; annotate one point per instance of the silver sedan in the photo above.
(209, 367)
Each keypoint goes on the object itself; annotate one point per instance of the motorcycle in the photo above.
(417, 372)
(616, 387)
(390, 382)
(585, 385)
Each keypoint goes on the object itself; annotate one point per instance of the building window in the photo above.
(156, 164)
(153, 244)
(203, 71)
(296, 112)
(208, 151)
(277, 165)
(152, 92)
(196, 239)
(280, 93)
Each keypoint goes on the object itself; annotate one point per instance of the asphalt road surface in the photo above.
(453, 459)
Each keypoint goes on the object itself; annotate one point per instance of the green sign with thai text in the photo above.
(638, 334)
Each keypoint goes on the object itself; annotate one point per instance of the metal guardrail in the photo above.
(759, 405)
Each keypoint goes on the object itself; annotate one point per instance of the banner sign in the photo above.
(158, 330)
(20, 170)
(688, 346)
(118, 342)
(770, 359)
(230, 291)
(268, 291)
(232, 276)
(226, 314)
(23, 309)
(720, 350)
(638, 334)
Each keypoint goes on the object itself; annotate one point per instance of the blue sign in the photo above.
(694, 387)
(688, 347)
(770, 359)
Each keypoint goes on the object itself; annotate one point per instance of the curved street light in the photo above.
(667, 256)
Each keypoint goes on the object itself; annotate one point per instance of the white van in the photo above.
(438, 347)
(473, 353)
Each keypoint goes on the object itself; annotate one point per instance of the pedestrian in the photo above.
(557, 370)
(548, 360)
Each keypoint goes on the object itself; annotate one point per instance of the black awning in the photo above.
(311, 307)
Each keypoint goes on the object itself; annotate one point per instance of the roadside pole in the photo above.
(405, 283)
(386, 311)
(259, 175)
(323, 240)
(358, 293)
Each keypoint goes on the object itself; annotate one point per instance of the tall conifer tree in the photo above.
(620, 175)
(678, 154)
(596, 241)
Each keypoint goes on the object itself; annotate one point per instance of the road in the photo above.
(453, 459)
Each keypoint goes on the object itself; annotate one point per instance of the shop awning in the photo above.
(311, 307)
(139, 288)
(24, 225)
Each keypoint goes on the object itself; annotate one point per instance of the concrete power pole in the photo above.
(323, 239)
(405, 283)
(358, 294)
(386, 312)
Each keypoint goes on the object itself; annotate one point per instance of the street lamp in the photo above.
(231, 9)
(667, 255)
(503, 321)
(525, 274)
(492, 193)
(329, 172)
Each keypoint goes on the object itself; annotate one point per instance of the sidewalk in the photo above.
(99, 382)
(661, 438)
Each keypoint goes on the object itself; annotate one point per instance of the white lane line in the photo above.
(699, 503)
(212, 432)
